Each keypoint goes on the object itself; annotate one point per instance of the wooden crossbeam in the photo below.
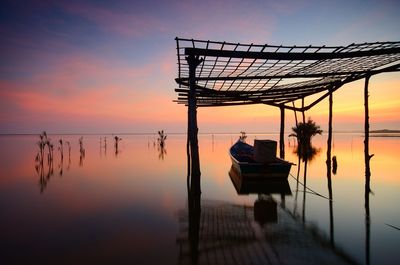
(292, 56)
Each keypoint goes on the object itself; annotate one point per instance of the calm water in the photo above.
(123, 207)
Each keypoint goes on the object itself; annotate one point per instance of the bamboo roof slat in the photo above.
(234, 73)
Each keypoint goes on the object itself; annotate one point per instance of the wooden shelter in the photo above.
(212, 73)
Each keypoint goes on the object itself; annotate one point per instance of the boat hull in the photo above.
(241, 155)
(262, 185)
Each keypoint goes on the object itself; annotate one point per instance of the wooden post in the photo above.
(329, 148)
(282, 132)
(329, 168)
(367, 157)
(193, 62)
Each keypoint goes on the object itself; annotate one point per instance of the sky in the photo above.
(109, 66)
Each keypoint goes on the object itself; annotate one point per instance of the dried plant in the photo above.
(116, 142)
(44, 173)
(81, 151)
(162, 137)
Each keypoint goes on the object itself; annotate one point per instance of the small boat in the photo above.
(242, 156)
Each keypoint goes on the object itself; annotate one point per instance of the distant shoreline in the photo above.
(385, 131)
(374, 133)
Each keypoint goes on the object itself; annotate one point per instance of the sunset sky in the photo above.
(109, 66)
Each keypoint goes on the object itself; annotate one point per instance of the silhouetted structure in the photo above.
(212, 73)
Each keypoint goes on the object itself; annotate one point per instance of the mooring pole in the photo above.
(193, 62)
(282, 132)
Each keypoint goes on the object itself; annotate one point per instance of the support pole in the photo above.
(329, 168)
(329, 143)
(193, 62)
(282, 132)
(367, 156)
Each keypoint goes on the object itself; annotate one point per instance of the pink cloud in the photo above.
(84, 89)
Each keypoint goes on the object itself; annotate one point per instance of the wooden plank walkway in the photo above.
(228, 234)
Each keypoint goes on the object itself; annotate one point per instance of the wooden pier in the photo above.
(229, 234)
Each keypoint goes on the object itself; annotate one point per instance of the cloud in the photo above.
(81, 88)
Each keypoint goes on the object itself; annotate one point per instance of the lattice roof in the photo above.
(236, 74)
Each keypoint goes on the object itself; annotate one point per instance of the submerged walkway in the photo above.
(229, 234)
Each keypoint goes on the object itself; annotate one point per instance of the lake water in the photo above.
(126, 207)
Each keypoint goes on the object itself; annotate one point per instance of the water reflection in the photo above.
(69, 154)
(46, 150)
(265, 210)
(103, 146)
(306, 153)
(367, 191)
(265, 207)
(138, 195)
(289, 241)
(162, 152)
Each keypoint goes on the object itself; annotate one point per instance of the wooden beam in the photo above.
(267, 77)
(290, 56)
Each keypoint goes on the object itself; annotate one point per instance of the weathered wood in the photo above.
(193, 62)
(279, 89)
(282, 132)
(367, 157)
(329, 142)
(262, 78)
(290, 56)
(329, 168)
(394, 68)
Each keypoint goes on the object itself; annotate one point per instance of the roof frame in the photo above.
(241, 74)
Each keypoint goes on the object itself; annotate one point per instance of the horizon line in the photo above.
(184, 133)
